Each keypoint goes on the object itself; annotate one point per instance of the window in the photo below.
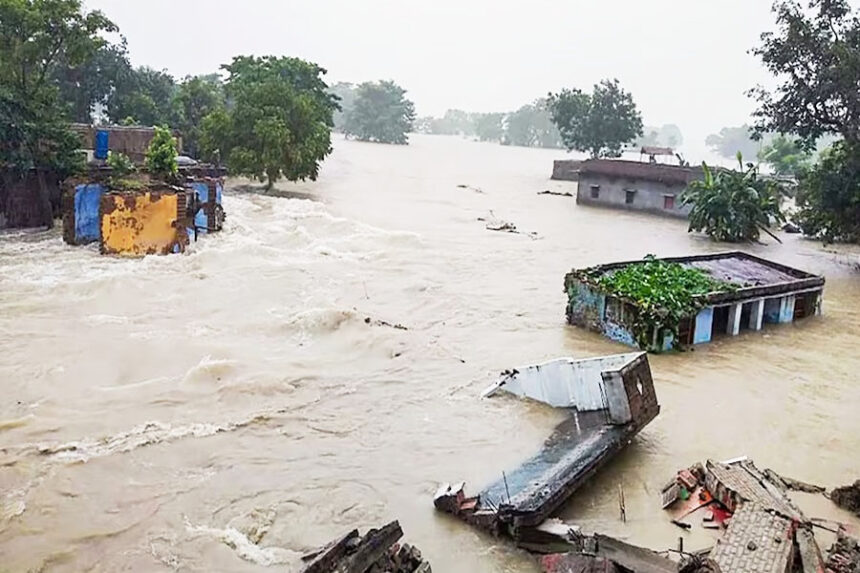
(668, 202)
(629, 195)
(595, 191)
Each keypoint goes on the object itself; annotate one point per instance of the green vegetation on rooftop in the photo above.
(663, 293)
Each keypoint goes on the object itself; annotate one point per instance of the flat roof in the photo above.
(754, 275)
(640, 170)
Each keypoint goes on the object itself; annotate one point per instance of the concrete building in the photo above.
(766, 293)
(635, 185)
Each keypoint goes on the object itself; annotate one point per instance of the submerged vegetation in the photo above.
(663, 294)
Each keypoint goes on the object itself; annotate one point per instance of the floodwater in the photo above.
(228, 409)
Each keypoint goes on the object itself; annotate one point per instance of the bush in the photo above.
(161, 155)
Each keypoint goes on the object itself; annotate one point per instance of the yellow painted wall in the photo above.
(138, 224)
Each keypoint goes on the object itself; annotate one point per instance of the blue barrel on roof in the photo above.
(102, 144)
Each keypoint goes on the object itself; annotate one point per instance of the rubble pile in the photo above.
(377, 552)
(844, 555)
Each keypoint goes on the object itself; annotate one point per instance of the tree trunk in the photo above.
(45, 201)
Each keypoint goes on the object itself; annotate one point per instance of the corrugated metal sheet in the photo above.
(143, 223)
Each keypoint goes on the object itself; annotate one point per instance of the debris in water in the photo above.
(378, 550)
(372, 322)
(470, 188)
(493, 223)
(764, 530)
(556, 193)
(844, 555)
(611, 399)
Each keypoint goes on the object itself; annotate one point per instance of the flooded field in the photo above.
(228, 409)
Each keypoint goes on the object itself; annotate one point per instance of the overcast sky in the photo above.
(685, 61)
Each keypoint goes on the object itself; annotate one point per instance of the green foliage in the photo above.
(733, 205)
(120, 164)
(489, 126)
(380, 113)
(733, 140)
(601, 123)
(88, 83)
(345, 93)
(145, 94)
(664, 293)
(196, 98)
(532, 126)
(161, 155)
(829, 195)
(815, 54)
(279, 120)
(785, 156)
(35, 36)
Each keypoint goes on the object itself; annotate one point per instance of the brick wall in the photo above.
(756, 540)
(639, 385)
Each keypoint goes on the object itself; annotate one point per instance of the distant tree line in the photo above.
(529, 126)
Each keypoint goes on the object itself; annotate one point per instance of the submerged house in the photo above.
(747, 293)
(635, 185)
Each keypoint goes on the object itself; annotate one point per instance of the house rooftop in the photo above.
(638, 170)
(753, 275)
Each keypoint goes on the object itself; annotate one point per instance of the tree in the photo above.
(733, 205)
(279, 120)
(345, 93)
(380, 113)
(196, 98)
(89, 83)
(34, 36)
(815, 55)
(489, 126)
(145, 94)
(454, 122)
(785, 156)
(600, 123)
(532, 126)
(733, 140)
(828, 195)
(161, 155)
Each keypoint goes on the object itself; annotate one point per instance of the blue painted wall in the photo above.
(87, 220)
(786, 311)
(772, 308)
(618, 333)
(201, 221)
(704, 326)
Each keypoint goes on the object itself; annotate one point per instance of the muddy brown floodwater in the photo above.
(227, 409)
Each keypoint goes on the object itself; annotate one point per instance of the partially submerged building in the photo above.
(610, 399)
(763, 292)
(635, 185)
(155, 218)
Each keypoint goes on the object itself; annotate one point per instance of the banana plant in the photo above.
(733, 205)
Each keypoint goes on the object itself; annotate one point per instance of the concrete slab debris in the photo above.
(610, 399)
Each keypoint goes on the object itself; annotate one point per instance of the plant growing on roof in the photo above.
(161, 155)
(663, 294)
(733, 205)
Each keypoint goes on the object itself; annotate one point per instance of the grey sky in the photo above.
(685, 61)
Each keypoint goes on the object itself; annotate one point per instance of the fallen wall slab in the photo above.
(610, 400)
